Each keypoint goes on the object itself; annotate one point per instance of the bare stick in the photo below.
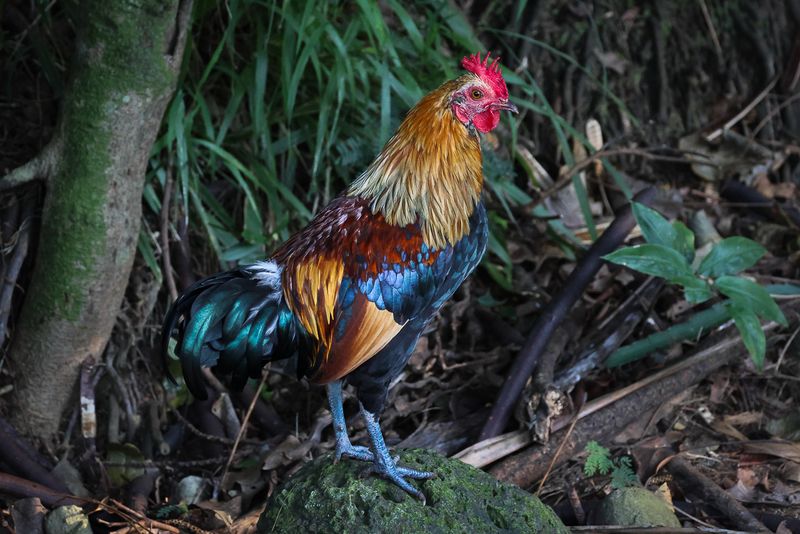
(142, 520)
(554, 313)
(561, 446)
(21, 487)
(716, 134)
(565, 177)
(697, 482)
(9, 283)
(243, 427)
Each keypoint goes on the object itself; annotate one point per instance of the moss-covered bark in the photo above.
(123, 73)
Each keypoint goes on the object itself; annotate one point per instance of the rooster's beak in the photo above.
(507, 106)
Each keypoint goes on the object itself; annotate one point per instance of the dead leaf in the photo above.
(786, 427)
(744, 418)
(225, 511)
(791, 471)
(292, 449)
(790, 450)
(611, 61)
(741, 492)
(764, 186)
(719, 387)
(664, 493)
(594, 134)
(717, 162)
(726, 428)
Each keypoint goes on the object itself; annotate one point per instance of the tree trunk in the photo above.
(123, 73)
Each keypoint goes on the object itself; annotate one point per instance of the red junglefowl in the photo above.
(351, 293)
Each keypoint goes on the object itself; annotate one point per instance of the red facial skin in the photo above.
(480, 107)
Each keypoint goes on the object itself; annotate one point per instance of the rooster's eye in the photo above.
(477, 94)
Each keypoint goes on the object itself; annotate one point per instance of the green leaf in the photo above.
(751, 296)
(598, 460)
(684, 240)
(655, 228)
(623, 475)
(752, 334)
(656, 260)
(127, 460)
(696, 290)
(730, 256)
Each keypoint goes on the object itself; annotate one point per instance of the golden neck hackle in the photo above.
(429, 172)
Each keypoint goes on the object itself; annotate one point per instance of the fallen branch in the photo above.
(21, 455)
(624, 320)
(697, 482)
(713, 136)
(22, 487)
(493, 449)
(736, 191)
(554, 313)
(136, 521)
(28, 515)
(614, 411)
(565, 177)
(9, 280)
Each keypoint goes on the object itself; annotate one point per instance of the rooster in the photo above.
(350, 294)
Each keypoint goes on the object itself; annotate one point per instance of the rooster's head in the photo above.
(482, 95)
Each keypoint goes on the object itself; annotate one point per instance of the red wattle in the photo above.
(486, 121)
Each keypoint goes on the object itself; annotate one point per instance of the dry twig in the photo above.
(720, 499)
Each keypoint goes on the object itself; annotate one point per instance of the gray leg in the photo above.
(384, 465)
(343, 445)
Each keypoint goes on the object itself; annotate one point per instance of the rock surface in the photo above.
(635, 507)
(67, 520)
(327, 497)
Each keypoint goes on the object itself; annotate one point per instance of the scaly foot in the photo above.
(398, 474)
(346, 449)
(386, 466)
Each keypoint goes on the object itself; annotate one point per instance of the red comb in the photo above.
(488, 72)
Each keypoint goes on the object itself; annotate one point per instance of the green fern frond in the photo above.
(598, 462)
(623, 476)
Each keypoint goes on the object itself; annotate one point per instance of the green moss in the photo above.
(327, 497)
(120, 59)
(635, 507)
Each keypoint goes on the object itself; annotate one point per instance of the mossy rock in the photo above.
(635, 507)
(328, 497)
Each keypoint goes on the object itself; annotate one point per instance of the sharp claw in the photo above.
(386, 466)
(397, 474)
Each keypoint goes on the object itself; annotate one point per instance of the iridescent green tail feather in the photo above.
(235, 321)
